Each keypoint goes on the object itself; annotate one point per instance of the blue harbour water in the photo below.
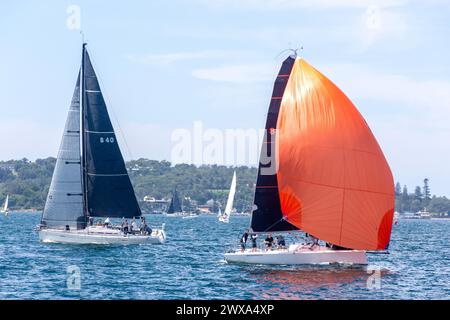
(190, 266)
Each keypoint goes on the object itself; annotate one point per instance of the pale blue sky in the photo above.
(165, 64)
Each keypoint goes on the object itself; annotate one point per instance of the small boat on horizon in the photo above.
(175, 208)
(5, 209)
(321, 173)
(423, 214)
(90, 180)
(225, 216)
(190, 216)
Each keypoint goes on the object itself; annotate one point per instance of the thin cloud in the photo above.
(366, 83)
(137, 141)
(236, 73)
(293, 4)
(357, 31)
(37, 139)
(169, 59)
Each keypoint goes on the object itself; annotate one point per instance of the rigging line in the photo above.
(266, 230)
(82, 36)
(295, 236)
(294, 51)
(111, 108)
(280, 53)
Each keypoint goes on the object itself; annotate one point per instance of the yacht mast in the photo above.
(83, 135)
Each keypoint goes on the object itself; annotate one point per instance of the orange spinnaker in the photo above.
(334, 181)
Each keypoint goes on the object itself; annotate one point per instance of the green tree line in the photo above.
(27, 183)
(419, 199)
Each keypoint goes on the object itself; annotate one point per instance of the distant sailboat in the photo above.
(175, 208)
(225, 217)
(4, 209)
(423, 214)
(321, 172)
(90, 180)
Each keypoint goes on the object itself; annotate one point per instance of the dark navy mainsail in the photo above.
(267, 215)
(107, 186)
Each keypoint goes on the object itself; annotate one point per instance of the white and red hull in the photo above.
(297, 255)
(100, 235)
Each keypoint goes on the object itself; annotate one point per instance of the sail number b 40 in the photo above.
(107, 140)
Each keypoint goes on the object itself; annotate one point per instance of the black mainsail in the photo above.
(91, 181)
(267, 215)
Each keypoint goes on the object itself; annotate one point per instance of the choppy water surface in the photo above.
(190, 266)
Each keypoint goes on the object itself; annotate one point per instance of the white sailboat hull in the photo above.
(175, 214)
(100, 235)
(191, 216)
(295, 256)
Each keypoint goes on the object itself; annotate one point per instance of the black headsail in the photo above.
(267, 215)
(107, 186)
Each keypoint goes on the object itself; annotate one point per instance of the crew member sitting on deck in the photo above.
(281, 243)
(146, 230)
(269, 241)
(253, 237)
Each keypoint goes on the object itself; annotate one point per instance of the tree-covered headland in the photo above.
(27, 184)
